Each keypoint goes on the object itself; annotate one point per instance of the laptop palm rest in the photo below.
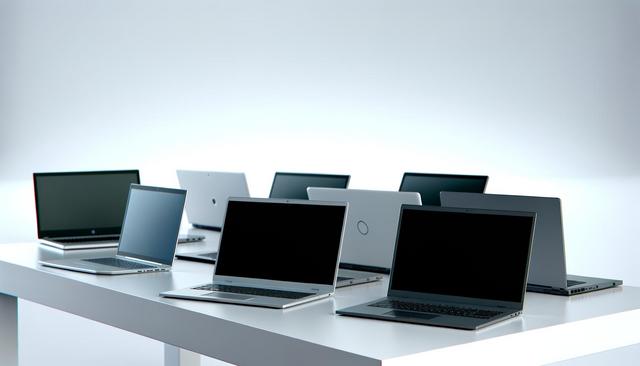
(220, 295)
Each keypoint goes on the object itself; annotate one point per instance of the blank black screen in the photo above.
(281, 241)
(430, 185)
(152, 223)
(79, 203)
(462, 254)
(294, 186)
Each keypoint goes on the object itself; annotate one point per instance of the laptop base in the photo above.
(80, 245)
(446, 321)
(348, 277)
(206, 227)
(584, 285)
(204, 257)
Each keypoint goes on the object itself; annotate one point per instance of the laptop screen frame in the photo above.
(316, 175)
(277, 284)
(152, 189)
(88, 232)
(462, 299)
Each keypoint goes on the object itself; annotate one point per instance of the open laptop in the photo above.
(430, 185)
(457, 268)
(548, 272)
(81, 210)
(294, 185)
(274, 253)
(207, 203)
(370, 233)
(149, 235)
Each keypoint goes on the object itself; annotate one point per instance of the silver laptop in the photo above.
(274, 253)
(370, 233)
(148, 239)
(457, 268)
(208, 195)
(548, 272)
(81, 210)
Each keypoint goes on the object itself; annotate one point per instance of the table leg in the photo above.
(174, 356)
(8, 330)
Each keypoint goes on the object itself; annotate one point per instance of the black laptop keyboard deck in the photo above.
(254, 291)
(436, 309)
(120, 263)
(574, 283)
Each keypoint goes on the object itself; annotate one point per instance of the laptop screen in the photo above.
(81, 203)
(294, 185)
(430, 185)
(459, 252)
(151, 223)
(293, 242)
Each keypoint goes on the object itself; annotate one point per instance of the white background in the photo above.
(542, 96)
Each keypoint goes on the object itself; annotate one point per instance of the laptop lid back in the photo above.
(372, 223)
(151, 223)
(76, 204)
(291, 244)
(548, 266)
(469, 256)
(294, 185)
(430, 185)
(209, 193)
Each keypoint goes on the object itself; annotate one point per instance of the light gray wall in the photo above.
(544, 96)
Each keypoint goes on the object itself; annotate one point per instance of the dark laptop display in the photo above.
(430, 185)
(281, 242)
(78, 204)
(294, 185)
(458, 268)
(462, 254)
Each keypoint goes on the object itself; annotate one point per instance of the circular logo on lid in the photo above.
(363, 228)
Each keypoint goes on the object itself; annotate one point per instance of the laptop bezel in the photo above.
(315, 288)
(341, 176)
(343, 195)
(518, 305)
(198, 193)
(76, 233)
(121, 253)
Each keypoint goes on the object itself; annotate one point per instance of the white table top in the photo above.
(309, 333)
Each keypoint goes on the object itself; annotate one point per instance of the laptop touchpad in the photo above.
(221, 295)
(409, 314)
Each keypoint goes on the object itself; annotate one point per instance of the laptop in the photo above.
(81, 210)
(274, 253)
(149, 235)
(370, 233)
(294, 185)
(207, 203)
(547, 273)
(430, 185)
(208, 195)
(456, 268)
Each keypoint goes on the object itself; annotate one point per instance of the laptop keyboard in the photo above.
(436, 309)
(254, 291)
(574, 283)
(117, 262)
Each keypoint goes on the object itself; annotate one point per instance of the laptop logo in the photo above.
(213, 200)
(93, 232)
(363, 228)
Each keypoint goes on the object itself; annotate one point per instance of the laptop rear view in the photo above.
(77, 210)
(208, 195)
(459, 268)
(430, 185)
(547, 273)
(294, 185)
(275, 253)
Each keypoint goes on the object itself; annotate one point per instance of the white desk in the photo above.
(310, 334)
